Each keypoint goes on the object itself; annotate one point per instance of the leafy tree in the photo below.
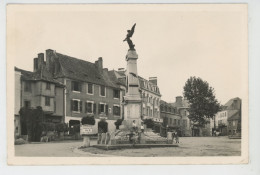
(31, 120)
(102, 126)
(202, 102)
(149, 123)
(118, 123)
(88, 120)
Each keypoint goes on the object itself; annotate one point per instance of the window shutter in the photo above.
(86, 107)
(106, 109)
(71, 102)
(94, 108)
(80, 106)
(99, 108)
(114, 93)
(114, 110)
(119, 94)
(119, 110)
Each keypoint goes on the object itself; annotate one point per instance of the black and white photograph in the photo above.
(127, 84)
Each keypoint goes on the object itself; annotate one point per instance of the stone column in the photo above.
(132, 108)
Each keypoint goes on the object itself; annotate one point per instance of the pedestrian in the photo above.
(142, 127)
(173, 136)
(177, 137)
(134, 126)
(215, 133)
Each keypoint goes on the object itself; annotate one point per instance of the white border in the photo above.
(254, 101)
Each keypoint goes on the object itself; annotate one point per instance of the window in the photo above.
(27, 104)
(76, 105)
(116, 110)
(27, 86)
(116, 93)
(90, 88)
(89, 107)
(76, 86)
(47, 101)
(103, 108)
(179, 122)
(175, 122)
(102, 91)
(48, 86)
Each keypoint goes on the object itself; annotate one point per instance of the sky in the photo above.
(173, 42)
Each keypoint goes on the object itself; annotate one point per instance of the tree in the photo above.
(118, 123)
(88, 120)
(31, 120)
(202, 102)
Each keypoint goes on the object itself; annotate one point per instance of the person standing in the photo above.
(142, 127)
(134, 126)
(177, 137)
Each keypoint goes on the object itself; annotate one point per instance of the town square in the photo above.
(129, 88)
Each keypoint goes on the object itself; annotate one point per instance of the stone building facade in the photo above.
(37, 88)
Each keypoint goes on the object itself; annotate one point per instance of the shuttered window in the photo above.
(76, 105)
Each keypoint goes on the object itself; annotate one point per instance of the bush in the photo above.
(88, 120)
(102, 126)
(47, 126)
(118, 123)
(19, 141)
(149, 123)
(61, 127)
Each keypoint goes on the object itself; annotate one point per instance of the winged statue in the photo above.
(128, 36)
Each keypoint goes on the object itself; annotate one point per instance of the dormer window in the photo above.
(75, 86)
(102, 90)
(90, 88)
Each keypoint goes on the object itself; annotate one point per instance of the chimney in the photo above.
(49, 60)
(99, 64)
(179, 101)
(153, 80)
(40, 60)
(236, 104)
(35, 64)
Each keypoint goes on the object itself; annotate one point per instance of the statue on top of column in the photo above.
(128, 36)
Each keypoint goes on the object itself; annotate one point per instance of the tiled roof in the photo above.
(229, 104)
(39, 75)
(82, 70)
(185, 104)
(144, 84)
(235, 116)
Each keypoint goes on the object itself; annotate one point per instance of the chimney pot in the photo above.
(153, 80)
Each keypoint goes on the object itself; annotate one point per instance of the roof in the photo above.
(144, 84)
(82, 70)
(40, 75)
(147, 85)
(229, 104)
(184, 104)
(235, 116)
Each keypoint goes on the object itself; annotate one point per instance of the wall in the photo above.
(59, 100)
(17, 93)
(83, 96)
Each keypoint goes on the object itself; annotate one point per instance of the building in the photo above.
(37, 88)
(150, 95)
(181, 107)
(90, 88)
(172, 119)
(230, 112)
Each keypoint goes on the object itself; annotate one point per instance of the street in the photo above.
(189, 146)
